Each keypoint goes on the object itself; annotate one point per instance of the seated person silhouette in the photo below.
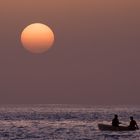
(133, 125)
(115, 121)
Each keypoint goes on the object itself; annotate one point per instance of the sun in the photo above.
(37, 38)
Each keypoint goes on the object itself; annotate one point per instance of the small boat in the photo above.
(106, 127)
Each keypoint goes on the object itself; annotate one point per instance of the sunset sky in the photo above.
(95, 58)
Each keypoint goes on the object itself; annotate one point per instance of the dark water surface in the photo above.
(64, 122)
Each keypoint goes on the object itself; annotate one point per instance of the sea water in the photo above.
(64, 122)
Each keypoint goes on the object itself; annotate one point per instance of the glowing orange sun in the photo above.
(37, 38)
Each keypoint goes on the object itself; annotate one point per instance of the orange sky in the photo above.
(95, 59)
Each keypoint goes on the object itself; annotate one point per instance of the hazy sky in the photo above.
(95, 58)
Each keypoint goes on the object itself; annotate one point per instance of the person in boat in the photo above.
(115, 121)
(133, 125)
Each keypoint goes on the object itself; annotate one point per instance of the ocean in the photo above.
(64, 122)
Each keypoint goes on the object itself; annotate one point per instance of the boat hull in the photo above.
(106, 127)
